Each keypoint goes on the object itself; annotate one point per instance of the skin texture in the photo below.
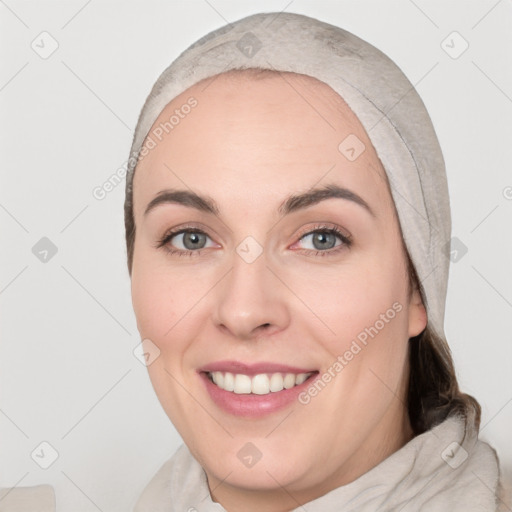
(249, 144)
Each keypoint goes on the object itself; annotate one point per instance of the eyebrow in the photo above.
(291, 204)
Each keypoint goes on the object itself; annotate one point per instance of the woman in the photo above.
(287, 224)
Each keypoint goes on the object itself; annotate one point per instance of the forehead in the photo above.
(278, 133)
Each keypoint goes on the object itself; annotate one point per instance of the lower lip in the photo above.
(251, 405)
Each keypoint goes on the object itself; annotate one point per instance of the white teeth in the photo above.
(218, 378)
(300, 378)
(242, 384)
(276, 382)
(289, 381)
(261, 384)
(229, 382)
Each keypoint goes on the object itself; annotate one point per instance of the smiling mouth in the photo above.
(260, 384)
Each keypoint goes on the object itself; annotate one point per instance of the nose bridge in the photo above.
(250, 296)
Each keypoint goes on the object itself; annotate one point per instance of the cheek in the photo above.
(375, 300)
(373, 330)
(159, 309)
(168, 307)
(353, 297)
(157, 296)
(157, 299)
(365, 306)
(152, 303)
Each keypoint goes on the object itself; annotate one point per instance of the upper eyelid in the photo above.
(306, 231)
(324, 227)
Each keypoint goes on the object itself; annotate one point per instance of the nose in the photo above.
(251, 301)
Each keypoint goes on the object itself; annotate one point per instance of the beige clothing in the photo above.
(439, 470)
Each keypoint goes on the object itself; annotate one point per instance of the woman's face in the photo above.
(262, 291)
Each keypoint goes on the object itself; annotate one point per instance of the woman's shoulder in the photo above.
(504, 492)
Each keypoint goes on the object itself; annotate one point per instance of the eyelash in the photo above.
(322, 228)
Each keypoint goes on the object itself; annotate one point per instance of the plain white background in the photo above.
(68, 375)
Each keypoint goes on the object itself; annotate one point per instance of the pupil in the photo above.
(323, 238)
(193, 238)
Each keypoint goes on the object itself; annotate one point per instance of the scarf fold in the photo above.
(444, 469)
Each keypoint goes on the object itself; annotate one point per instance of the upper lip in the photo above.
(252, 369)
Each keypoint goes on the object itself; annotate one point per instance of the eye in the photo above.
(185, 241)
(325, 240)
(189, 241)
